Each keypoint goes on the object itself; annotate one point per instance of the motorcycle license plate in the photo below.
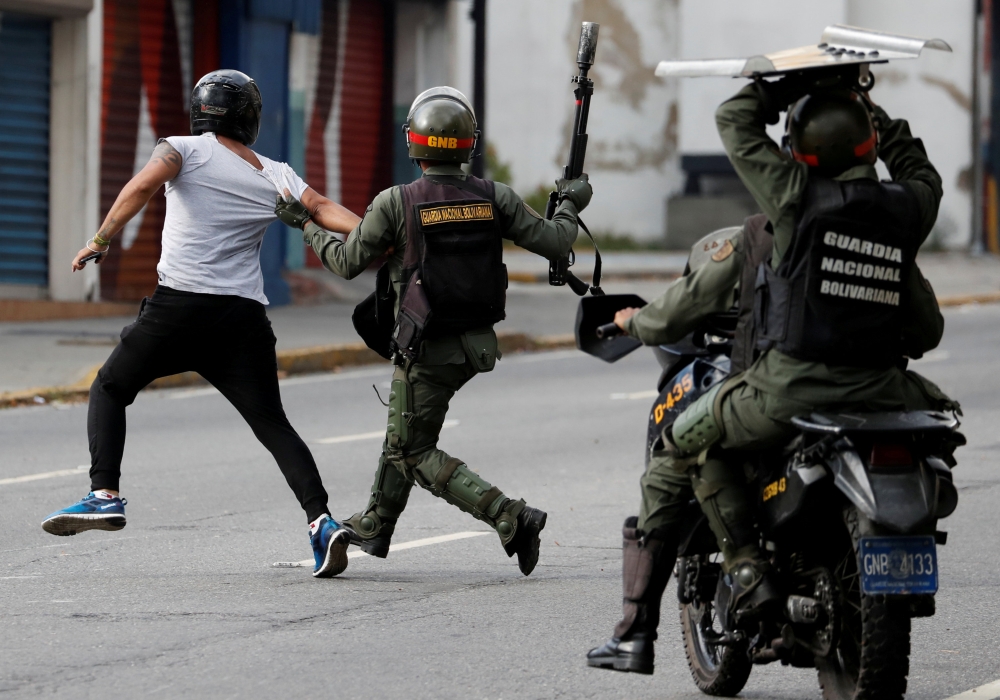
(898, 565)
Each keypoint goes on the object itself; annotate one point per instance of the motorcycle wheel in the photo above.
(871, 658)
(716, 669)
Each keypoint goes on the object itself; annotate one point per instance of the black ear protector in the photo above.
(864, 83)
(475, 144)
(786, 138)
(862, 94)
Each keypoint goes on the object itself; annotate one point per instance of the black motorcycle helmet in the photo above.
(831, 131)
(226, 102)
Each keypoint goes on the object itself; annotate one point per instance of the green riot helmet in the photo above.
(441, 126)
(831, 131)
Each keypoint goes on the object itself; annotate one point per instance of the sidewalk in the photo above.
(61, 353)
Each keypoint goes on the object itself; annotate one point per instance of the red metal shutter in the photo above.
(362, 106)
(140, 49)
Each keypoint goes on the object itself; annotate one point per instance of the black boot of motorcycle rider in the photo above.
(721, 488)
(647, 563)
(752, 590)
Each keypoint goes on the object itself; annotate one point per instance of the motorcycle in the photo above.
(848, 512)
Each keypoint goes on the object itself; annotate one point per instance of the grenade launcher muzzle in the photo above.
(559, 273)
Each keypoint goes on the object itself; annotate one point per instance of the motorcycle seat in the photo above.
(883, 422)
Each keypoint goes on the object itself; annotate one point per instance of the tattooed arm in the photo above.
(327, 213)
(163, 166)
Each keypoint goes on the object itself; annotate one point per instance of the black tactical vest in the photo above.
(454, 251)
(758, 239)
(838, 294)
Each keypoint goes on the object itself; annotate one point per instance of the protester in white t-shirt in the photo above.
(207, 313)
(218, 206)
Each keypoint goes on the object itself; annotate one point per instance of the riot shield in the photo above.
(596, 311)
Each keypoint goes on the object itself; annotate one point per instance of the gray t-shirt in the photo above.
(218, 207)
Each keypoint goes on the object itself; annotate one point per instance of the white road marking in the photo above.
(192, 393)
(393, 548)
(64, 545)
(990, 691)
(317, 378)
(44, 475)
(351, 438)
(651, 394)
(336, 376)
(542, 356)
(380, 371)
(369, 436)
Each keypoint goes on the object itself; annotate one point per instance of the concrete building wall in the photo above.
(632, 153)
(69, 191)
(933, 92)
(723, 29)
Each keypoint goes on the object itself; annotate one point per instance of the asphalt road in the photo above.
(185, 603)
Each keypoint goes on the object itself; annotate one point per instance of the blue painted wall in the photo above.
(254, 38)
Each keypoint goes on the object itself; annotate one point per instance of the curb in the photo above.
(44, 310)
(321, 358)
(963, 299)
(330, 358)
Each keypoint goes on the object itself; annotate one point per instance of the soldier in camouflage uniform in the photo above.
(442, 235)
(753, 409)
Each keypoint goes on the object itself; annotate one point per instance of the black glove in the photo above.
(776, 96)
(577, 191)
(291, 212)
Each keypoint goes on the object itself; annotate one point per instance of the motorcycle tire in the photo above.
(871, 658)
(720, 670)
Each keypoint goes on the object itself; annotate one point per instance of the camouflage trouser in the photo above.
(419, 460)
(751, 420)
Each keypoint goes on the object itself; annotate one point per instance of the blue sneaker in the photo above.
(329, 544)
(91, 513)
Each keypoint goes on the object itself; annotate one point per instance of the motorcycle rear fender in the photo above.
(901, 501)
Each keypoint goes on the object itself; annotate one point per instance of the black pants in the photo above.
(227, 340)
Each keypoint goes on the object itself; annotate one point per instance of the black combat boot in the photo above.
(525, 543)
(647, 563)
(370, 532)
(752, 592)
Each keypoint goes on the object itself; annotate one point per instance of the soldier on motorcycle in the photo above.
(831, 304)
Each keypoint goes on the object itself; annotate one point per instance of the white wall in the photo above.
(933, 92)
(73, 187)
(632, 151)
(726, 29)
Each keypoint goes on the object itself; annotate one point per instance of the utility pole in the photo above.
(478, 15)
(978, 245)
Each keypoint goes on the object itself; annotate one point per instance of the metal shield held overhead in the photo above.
(595, 311)
(840, 45)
